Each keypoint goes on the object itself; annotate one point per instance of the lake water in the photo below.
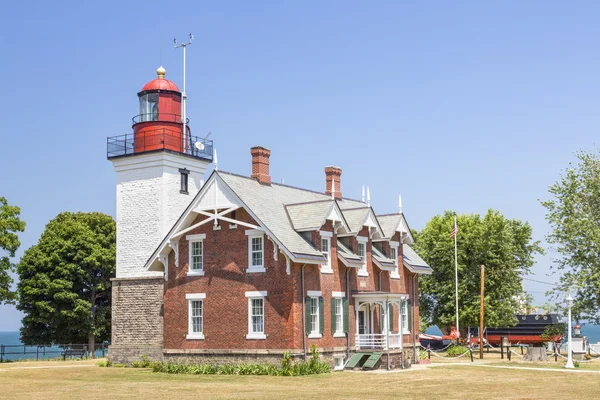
(12, 344)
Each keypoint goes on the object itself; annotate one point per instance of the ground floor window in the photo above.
(195, 315)
(256, 315)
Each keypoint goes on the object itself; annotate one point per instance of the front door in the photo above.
(362, 322)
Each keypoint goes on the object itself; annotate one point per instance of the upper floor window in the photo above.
(326, 250)
(256, 315)
(196, 254)
(256, 251)
(362, 253)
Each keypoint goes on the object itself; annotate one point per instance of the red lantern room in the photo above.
(159, 124)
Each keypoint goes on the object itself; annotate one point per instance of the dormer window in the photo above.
(362, 253)
(326, 250)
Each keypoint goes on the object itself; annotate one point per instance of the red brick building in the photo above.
(251, 269)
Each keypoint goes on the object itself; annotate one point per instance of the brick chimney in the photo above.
(260, 164)
(332, 174)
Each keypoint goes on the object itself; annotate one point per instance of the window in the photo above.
(256, 251)
(394, 256)
(404, 316)
(256, 315)
(314, 314)
(339, 363)
(195, 315)
(339, 319)
(196, 254)
(149, 107)
(184, 181)
(362, 253)
(326, 250)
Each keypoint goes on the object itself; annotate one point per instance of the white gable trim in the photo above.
(187, 218)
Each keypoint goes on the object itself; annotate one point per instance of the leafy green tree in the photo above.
(64, 281)
(504, 246)
(574, 215)
(10, 226)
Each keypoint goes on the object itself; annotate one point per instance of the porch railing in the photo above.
(378, 341)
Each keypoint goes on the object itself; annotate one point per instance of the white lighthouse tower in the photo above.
(160, 167)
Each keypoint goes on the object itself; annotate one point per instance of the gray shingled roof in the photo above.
(268, 203)
(347, 256)
(389, 223)
(308, 216)
(355, 217)
(379, 258)
(413, 262)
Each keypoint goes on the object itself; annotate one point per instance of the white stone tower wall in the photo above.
(148, 204)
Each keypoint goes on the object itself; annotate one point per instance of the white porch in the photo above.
(387, 306)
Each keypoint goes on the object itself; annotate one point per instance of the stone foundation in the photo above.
(137, 319)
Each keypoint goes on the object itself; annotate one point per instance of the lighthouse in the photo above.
(160, 166)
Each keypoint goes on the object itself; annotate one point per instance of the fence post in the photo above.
(1, 353)
(37, 353)
(471, 352)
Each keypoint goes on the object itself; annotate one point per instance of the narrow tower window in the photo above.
(184, 180)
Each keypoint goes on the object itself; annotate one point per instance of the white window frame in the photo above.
(404, 316)
(195, 239)
(255, 234)
(194, 297)
(362, 271)
(396, 273)
(328, 236)
(339, 328)
(314, 295)
(255, 296)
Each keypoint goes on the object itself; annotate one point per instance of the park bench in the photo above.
(73, 353)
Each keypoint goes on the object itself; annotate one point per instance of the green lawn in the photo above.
(83, 379)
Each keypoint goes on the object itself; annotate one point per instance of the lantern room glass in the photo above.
(149, 107)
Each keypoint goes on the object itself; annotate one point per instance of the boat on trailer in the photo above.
(528, 330)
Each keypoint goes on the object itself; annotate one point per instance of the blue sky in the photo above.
(463, 105)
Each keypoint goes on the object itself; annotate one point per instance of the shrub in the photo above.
(104, 363)
(120, 365)
(226, 369)
(455, 350)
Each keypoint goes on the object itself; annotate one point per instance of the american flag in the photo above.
(454, 230)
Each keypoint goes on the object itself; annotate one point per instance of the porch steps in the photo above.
(372, 360)
(357, 360)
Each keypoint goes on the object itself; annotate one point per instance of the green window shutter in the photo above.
(333, 326)
(391, 316)
(307, 316)
(346, 316)
(321, 315)
(409, 308)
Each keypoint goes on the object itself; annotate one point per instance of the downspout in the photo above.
(348, 296)
(413, 314)
(303, 314)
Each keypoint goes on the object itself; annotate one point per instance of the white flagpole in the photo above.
(456, 273)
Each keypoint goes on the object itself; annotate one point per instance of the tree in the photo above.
(64, 281)
(574, 215)
(504, 246)
(10, 225)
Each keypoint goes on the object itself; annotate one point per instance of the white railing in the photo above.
(378, 341)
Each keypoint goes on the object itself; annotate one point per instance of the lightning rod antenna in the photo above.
(183, 93)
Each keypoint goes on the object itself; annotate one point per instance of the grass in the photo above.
(83, 379)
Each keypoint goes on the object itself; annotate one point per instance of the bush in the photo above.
(455, 350)
(226, 369)
(104, 363)
(120, 365)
